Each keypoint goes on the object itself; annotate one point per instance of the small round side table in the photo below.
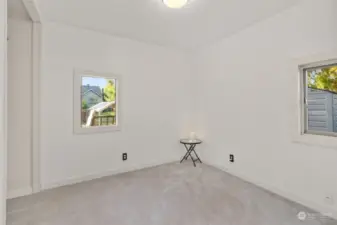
(190, 147)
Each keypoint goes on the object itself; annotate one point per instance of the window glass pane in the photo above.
(322, 99)
(98, 102)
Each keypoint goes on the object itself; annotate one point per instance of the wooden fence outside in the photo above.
(103, 120)
(98, 120)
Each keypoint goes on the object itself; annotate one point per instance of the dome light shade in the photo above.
(175, 4)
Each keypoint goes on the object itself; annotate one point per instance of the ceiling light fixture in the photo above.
(175, 4)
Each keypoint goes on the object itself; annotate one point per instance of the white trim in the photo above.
(32, 10)
(304, 95)
(3, 115)
(283, 193)
(93, 176)
(78, 129)
(296, 107)
(19, 192)
(36, 71)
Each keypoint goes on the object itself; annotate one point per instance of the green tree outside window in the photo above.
(109, 92)
(324, 79)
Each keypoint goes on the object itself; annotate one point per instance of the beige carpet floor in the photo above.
(176, 194)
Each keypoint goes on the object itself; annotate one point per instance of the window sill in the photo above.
(95, 130)
(316, 140)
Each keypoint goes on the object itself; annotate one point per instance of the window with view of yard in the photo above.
(319, 98)
(98, 102)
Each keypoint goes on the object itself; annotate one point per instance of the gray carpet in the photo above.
(176, 194)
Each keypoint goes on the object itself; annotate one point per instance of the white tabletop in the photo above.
(189, 141)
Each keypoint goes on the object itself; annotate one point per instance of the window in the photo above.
(319, 98)
(96, 105)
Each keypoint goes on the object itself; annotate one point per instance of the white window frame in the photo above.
(296, 104)
(304, 94)
(78, 129)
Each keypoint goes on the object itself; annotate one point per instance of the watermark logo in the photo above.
(302, 216)
(313, 216)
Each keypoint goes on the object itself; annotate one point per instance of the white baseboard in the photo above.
(19, 192)
(75, 180)
(290, 196)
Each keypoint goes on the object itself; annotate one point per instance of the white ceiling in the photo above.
(16, 10)
(199, 23)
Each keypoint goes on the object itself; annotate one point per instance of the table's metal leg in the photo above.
(193, 158)
(184, 158)
(198, 159)
(188, 153)
(189, 150)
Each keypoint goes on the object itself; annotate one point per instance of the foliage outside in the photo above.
(107, 94)
(324, 79)
(109, 91)
(84, 105)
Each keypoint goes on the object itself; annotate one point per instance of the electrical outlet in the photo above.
(231, 158)
(329, 200)
(125, 156)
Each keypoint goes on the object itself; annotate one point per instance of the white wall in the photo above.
(3, 157)
(19, 107)
(245, 101)
(155, 105)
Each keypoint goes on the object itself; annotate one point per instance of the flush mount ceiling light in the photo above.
(175, 4)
